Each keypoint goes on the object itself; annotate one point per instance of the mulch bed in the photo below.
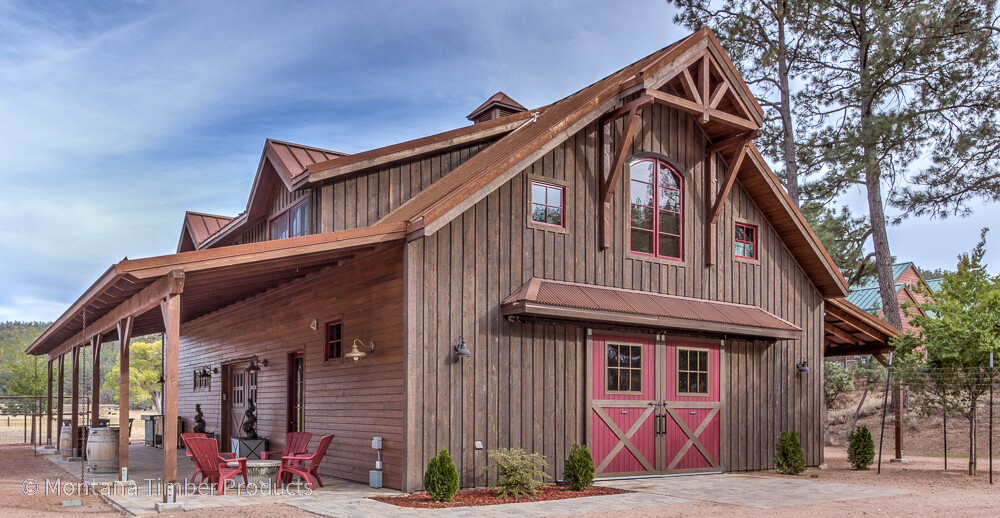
(475, 497)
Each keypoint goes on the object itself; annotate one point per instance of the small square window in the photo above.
(746, 241)
(547, 204)
(334, 335)
(624, 368)
(692, 371)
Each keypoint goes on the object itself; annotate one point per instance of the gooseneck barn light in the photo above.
(803, 366)
(462, 350)
(356, 354)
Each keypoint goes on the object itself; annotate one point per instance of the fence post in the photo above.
(885, 400)
(991, 417)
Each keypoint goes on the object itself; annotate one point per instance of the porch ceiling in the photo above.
(850, 330)
(214, 279)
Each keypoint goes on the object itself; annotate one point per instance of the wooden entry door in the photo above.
(654, 405)
(691, 406)
(236, 390)
(296, 392)
(623, 405)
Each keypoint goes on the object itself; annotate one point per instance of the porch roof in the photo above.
(584, 302)
(211, 279)
(849, 330)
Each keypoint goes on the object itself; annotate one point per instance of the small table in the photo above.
(260, 472)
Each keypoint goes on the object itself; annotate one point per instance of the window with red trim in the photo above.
(655, 202)
(293, 222)
(746, 241)
(547, 203)
(334, 340)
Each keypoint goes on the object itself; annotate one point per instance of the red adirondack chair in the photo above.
(187, 451)
(214, 467)
(306, 466)
(296, 443)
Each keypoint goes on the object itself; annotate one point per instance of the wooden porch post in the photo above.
(124, 340)
(74, 418)
(62, 392)
(95, 380)
(48, 408)
(898, 394)
(172, 325)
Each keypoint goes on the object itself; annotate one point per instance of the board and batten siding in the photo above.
(524, 385)
(353, 401)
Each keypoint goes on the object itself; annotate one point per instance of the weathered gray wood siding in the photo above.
(523, 387)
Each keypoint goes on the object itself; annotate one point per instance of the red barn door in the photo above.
(654, 405)
(623, 405)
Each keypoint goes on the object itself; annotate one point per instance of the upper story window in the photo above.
(293, 222)
(746, 241)
(655, 199)
(547, 203)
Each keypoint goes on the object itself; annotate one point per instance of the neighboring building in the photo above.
(911, 290)
(619, 268)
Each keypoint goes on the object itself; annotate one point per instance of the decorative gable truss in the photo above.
(728, 115)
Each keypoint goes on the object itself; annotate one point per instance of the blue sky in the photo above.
(116, 117)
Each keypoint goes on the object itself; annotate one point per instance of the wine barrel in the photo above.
(102, 450)
(66, 442)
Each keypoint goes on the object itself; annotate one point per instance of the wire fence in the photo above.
(23, 418)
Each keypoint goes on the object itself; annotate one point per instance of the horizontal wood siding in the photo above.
(353, 401)
(523, 387)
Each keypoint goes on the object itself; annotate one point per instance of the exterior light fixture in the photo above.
(255, 365)
(356, 354)
(803, 366)
(462, 350)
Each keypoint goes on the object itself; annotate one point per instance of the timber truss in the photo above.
(703, 89)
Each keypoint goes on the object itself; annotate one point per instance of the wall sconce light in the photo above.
(356, 354)
(803, 366)
(206, 372)
(461, 349)
(255, 365)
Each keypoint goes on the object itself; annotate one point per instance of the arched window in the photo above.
(656, 201)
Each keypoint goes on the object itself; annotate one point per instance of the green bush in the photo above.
(579, 468)
(836, 381)
(441, 477)
(789, 458)
(861, 448)
(519, 473)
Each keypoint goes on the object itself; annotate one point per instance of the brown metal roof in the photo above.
(850, 330)
(498, 98)
(215, 278)
(586, 302)
(201, 226)
(293, 160)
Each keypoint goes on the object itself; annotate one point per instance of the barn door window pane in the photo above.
(692, 371)
(624, 368)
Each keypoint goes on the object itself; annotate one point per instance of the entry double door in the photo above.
(654, 405)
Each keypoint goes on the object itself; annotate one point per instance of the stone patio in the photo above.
(347, 498)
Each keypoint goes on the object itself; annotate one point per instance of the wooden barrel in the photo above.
(102, 450)
(66, 442)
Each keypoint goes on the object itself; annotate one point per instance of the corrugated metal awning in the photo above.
(589, 303)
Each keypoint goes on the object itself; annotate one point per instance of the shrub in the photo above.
(836, 381)
(441, 477)
(789, 458)
(861, 448)
(579, 468)
(519, 473)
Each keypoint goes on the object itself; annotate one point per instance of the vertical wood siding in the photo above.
(353, 401)
(523, 387)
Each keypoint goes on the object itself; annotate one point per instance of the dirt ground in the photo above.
(18, 464)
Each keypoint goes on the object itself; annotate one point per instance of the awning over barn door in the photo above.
(542, 298)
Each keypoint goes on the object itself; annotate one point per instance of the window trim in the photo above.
(287, 213)
(529, 203)
(326, 342)
(666, 164)
(641, 368)
(708, 372)
(755, 243)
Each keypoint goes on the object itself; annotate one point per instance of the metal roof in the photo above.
(201, 226)
(849, 329)
(573, 301)
(868, 298)
(897, 271)
(498, 98)
(934, 284)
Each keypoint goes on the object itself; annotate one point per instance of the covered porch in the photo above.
(160, 294)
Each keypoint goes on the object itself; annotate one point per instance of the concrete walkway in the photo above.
(345, 498)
